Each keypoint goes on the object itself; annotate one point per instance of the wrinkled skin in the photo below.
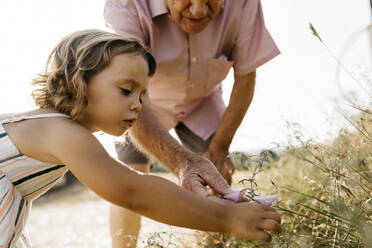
(193, 15)
(198, 174)
(223, 164)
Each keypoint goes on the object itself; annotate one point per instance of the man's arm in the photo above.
(193, 170)
(151, 137)
(240, 99)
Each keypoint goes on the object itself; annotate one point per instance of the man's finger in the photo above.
(195, 186)
(219, 184)
(236, 196)
(220, 200)
(198, 188)
(214, 179)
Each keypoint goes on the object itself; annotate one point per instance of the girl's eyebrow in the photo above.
(133, 83)
(129, 80)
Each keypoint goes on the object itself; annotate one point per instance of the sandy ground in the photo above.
(77, 217)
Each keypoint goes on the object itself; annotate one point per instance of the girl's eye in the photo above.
(125, 92)
(141, 97)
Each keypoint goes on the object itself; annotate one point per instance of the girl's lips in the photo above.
(130, 122)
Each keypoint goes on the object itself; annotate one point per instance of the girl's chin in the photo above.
(116, 133)
(121, 132)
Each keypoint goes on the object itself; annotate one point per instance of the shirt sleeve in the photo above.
(121, 16)
(254, 45)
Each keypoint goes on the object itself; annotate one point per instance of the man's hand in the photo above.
(197, 175)
(194, 171)
(223, 164)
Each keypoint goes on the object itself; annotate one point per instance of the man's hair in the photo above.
(76, 58)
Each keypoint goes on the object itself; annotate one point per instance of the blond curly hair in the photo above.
(76, 58)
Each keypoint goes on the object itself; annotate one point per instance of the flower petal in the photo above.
(266, 199)
(236, 196)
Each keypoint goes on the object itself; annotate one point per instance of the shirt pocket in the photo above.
(217, 72)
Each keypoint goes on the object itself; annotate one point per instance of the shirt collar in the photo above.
(157, 7)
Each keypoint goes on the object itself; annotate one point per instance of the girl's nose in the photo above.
(136, 106)
(199, 8)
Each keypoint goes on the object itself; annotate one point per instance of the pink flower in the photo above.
(236, 196)
(265, 199)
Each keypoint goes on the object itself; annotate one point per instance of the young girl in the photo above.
(95, 81)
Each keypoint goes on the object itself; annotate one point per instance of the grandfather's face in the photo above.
(194, 15)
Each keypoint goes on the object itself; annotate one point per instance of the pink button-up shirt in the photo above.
(190, 67)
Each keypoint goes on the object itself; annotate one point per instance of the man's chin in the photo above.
(193, 29)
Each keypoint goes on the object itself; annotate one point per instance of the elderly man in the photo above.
(195, 43)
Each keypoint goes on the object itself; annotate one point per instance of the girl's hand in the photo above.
(252, 221)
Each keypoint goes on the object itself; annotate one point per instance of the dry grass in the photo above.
(325, 190)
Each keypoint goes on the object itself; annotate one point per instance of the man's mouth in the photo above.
(196, 21)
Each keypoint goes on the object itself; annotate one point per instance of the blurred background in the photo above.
(303, 85)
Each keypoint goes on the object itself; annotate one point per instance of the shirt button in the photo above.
(194, 59)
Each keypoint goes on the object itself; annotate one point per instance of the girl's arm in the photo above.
(152, 196)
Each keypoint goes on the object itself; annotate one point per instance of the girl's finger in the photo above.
(270, 225)
(268, 208)
(263, 236)
(272, 215)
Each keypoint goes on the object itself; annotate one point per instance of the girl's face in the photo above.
(115, 95)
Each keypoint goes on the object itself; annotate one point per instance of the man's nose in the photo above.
(199, 8)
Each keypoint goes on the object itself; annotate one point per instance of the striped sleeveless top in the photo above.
(22, 179)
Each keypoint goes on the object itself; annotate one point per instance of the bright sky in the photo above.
(298, 86)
